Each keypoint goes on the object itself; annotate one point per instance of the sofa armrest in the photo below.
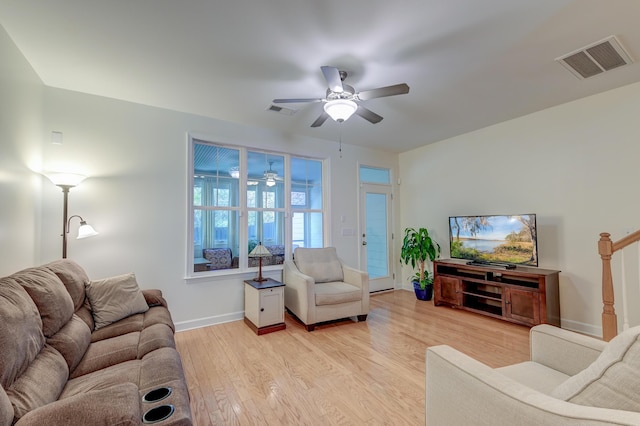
(116, 405)
(153, 297)
(299, 295)
(461, 390)
(563, 350)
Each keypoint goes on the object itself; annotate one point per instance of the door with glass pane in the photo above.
(375, 235)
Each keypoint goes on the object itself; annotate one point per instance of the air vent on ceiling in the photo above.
(601, 56)
(281, 110)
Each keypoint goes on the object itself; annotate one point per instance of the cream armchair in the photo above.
(319, 287)
(571, 379)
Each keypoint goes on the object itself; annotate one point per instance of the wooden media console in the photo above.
(524, 295)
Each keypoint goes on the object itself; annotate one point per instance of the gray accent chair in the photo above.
(320, 288)
(571, 379)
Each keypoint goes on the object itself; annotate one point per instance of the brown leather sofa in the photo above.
(80, 352)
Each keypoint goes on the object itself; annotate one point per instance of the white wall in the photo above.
(20, 152)
(137, 193)
(575, 166)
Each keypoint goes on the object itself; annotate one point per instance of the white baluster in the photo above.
(625, 324)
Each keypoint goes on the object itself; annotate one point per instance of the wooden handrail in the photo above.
(623, 242)
(606, 248)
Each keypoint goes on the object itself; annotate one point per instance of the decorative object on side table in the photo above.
(260, 251)
(417, 247)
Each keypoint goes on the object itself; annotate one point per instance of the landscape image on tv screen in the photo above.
(508, 239)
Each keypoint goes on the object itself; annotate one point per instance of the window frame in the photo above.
(243, 209)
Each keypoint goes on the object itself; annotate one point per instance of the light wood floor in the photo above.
(346, 373)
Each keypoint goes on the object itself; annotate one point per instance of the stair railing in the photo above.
(606, 249)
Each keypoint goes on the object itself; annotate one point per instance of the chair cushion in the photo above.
(336, 292)
(321, 264)
(535, 376)
(612, 381)
(220, 258)
(115, 298)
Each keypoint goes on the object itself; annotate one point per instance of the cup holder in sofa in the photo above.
(158, 414)
(156, 395)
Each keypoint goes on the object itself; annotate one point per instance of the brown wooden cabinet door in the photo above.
(522, 305)
(447, 290)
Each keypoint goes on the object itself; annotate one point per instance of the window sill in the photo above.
(229, 274)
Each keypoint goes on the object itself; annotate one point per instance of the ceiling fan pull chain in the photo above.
(340, 149)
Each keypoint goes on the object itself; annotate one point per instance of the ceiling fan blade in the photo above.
(320, 120)
(294, 100)
(381, 92)
(332, 75)
(368, 115)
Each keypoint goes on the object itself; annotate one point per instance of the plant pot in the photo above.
(423, 294)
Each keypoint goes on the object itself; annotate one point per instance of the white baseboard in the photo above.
(581, 327)
(205, 322)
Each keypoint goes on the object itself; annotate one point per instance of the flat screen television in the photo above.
(498, 239)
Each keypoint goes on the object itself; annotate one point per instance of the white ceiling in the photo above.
(469, 63)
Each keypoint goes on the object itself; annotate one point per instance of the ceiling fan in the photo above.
(341, 100)
(271, 175)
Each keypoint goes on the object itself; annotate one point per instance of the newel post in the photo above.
(609, 318)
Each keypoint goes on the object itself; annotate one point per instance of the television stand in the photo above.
(492, 264)
(523, 295)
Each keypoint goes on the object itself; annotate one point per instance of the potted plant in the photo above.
(417, 248)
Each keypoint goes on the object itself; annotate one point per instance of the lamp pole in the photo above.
(65, 192)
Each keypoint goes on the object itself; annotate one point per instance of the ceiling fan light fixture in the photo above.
(271, 181)
(340, 109)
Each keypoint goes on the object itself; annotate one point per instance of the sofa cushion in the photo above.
(336, 292)
(321, 264)
(72, 341)
(40, 384)
(115, 298)
(136, 322)
(116, 405)
(6, 409)
(73, 277)
(106, 353)
(50, 296)
(612, 381)
(21, 337)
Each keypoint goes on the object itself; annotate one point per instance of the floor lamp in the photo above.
(260, 251)
(66, 181)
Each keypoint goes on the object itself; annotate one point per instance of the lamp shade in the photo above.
(65, 179)
(86, 230)
(234, 172)
(260, 251)
(340, 109)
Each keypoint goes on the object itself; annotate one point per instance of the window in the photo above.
(243, 197)
(216, 208)
(306, 202)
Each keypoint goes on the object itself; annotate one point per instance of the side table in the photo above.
(264, 305)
